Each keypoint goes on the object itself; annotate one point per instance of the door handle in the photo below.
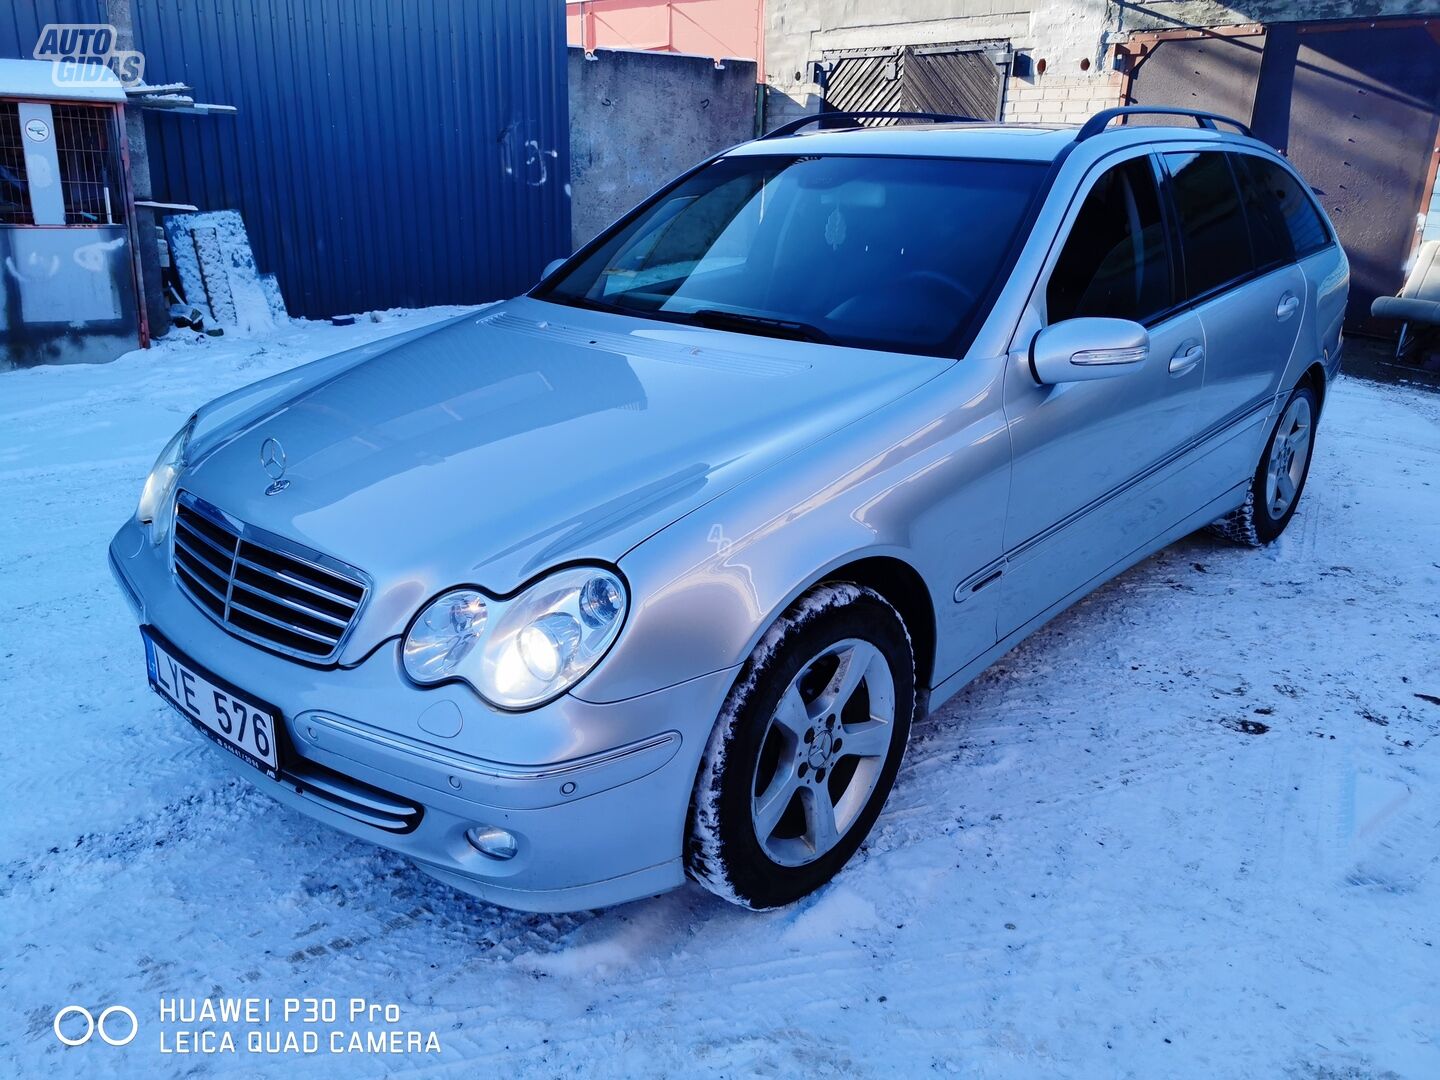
(1186, 359)
(1289, 304)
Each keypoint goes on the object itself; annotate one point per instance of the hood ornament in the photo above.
(272, 460)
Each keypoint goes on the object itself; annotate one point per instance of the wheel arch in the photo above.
(1314, 377)
(903, 589)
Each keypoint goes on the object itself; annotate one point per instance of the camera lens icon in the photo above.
(102, 1024)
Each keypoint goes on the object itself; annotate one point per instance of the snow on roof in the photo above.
(34, 80)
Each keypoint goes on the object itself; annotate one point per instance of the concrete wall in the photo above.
(1073, 37)
(638, 119)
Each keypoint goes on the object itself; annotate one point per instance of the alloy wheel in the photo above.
(1289, 454)
(823, 752)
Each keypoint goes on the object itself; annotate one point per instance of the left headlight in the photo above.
(524, 651)
(157, 499)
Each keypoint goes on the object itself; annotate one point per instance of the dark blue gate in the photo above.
(384, 154)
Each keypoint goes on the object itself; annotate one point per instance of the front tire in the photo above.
(1280, 477)
(805, 751)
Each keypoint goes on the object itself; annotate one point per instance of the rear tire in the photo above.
(805, 751)
(1280, 477)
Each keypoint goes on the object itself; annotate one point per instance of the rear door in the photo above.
(1092, 459)
(1286, 202)
(1240, 275)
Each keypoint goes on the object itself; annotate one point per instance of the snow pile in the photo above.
(1189, 829)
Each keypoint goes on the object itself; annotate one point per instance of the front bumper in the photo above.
(596, 795)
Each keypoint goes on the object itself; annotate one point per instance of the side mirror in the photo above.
(551, 267)
(1077, 350)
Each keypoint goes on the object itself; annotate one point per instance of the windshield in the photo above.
(897, 254)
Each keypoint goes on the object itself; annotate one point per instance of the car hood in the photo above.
(526, 436)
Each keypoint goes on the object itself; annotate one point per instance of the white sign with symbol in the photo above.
(37, 130)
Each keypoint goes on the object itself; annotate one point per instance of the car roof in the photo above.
(1009, 142)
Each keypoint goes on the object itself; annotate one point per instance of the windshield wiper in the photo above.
(760, 324)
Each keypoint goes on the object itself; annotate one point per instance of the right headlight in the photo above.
(157, 499)
(524, 651)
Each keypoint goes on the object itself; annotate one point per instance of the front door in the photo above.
(1086, 486)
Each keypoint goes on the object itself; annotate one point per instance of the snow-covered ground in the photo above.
(1191, 828)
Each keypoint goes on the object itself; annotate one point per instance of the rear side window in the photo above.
(1269, 238)
(1212, 223)
(1115, 262)
(1289, 202)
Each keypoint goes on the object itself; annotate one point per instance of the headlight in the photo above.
(523, 651)
(157, 499)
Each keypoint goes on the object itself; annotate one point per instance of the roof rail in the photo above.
(852, 120)
(1101, 120)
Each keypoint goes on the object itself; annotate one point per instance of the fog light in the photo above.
(488, 840)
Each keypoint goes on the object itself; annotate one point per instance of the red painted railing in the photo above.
(718, 28)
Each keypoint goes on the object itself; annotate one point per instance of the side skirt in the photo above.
(1206, 514)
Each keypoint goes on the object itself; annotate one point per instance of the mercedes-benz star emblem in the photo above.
(272, 460)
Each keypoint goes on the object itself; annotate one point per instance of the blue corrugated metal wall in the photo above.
(20, 22)
(385, 153)
(379, 155)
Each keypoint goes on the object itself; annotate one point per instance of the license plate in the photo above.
(237, 722)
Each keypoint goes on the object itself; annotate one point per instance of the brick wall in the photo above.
(1063, 99)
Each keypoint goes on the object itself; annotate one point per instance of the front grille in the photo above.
(262, 587)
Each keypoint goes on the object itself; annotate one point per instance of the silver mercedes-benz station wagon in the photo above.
(649, 572)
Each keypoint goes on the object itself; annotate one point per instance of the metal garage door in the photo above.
(1202, 72)
(1354, 106)
(1360, 125)
(963, 80)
